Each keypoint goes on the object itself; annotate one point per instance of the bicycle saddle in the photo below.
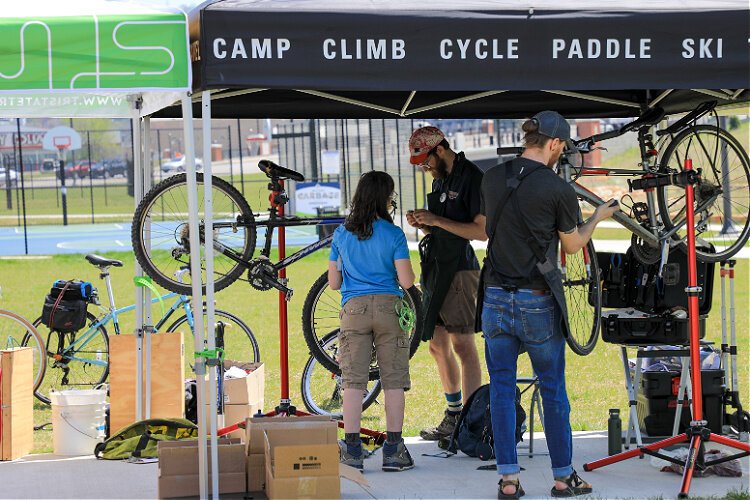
(278, 172)
(99, 261)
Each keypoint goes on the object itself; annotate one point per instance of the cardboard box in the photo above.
(302, 460)
(178, 468)
(167, 378)
(247, 390)
(256, 472)
(254, 428)
(302, 449)
(234, 414)
(16, 403)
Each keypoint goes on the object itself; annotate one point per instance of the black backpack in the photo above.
(473, 432)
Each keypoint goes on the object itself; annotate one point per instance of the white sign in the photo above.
(311, 196)
(331, 161)
(61, 138)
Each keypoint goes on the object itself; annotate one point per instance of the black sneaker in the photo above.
(347, 458)
(444, 428)
(399, 460)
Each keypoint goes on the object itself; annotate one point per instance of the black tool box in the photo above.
(656, 402)
(651, 309)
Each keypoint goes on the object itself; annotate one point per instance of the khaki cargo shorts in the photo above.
(460, 305)
(372, 320)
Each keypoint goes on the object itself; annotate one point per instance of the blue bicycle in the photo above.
(80, 359)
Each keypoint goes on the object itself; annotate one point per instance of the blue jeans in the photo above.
(511, 320)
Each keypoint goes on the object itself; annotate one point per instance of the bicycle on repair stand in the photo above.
(722, 202)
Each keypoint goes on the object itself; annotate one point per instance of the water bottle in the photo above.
(614, 431)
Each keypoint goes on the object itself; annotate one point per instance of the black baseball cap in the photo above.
(552, 124)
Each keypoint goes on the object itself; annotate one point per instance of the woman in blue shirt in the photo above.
(369, 260)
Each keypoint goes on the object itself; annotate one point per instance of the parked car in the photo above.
(109, 168)
(4, 176)
(178, 165)
(82, 168)
(49, 165)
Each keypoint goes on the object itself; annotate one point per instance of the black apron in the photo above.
(549, 270)
(440, 254)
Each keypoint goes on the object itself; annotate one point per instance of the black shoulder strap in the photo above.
(511, 184)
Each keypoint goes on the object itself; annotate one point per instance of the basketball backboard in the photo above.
(61, 138)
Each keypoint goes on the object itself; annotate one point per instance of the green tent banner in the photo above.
(96, 53)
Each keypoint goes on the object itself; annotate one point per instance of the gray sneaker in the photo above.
(399, 460)
(348, 459)
(444, 428)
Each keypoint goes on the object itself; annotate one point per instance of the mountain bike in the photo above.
(80, 359)
(321, 388)
(722, 202)
(13, 330)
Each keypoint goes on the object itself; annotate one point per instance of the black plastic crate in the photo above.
(664, 384)
(656, 415)
(632, 327)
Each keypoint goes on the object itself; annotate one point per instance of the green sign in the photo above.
(148, 51)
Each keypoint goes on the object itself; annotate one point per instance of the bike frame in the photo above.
(111, 315)
(272, 223)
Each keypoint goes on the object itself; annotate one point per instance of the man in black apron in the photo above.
(530, 209)
(450, 270)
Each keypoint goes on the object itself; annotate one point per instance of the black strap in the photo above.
(142, 443)
(511, 184)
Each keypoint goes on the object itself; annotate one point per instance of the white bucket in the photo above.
(78, 420)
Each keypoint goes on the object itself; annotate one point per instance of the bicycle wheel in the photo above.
(239, 342)
(725, 186)
(321, 389)
(161, 237)
(76, 360)
(320, 315)
(15, 331)
(583, 296)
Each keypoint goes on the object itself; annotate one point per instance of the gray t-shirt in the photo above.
(549, 205)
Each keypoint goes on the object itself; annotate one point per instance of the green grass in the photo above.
(594, 382)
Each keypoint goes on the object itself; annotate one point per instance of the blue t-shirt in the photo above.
(367, 265)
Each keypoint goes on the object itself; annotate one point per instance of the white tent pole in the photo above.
(195, 276)
(138, 192)
(209, 253)
(147, 320)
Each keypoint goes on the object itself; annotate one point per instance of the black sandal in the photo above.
(576, 486)
(511, 482)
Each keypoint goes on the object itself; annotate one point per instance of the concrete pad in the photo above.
(50, 476)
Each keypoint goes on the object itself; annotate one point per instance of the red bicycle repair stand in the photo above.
(698, 432)
(285, 407)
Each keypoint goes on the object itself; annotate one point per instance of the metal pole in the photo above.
(398, 165)
(139, 295)
(314, 150)
(209, 252)
(372, 146)
(728, 227)
(147, 320)
(91, 175)
(242, 169)
(359, 147)
(195, 275)
(23, 193)
(231, 166)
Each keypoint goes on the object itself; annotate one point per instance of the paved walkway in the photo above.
(48, 476)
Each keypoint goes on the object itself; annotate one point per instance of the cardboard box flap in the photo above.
(352, 474)
(181, 457)
(255, 442)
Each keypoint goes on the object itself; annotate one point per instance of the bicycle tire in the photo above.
(583, 298)
(55, 374)
(233, 338)
(705, 144)
(320, 315)
(165, 206)
(19, 329)
(310, 382)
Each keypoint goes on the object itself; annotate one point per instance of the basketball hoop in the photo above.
(62, 142)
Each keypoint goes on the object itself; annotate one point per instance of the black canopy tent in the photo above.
(476, 59)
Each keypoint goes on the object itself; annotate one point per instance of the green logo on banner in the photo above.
(94, 53)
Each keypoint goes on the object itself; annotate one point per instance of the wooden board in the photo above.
(167, 378)
(17, 403)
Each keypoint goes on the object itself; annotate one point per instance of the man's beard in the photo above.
(441, 169)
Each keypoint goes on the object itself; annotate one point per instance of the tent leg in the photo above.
(139, 309)
(195, 275)
(147, 322)
(209, 253)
